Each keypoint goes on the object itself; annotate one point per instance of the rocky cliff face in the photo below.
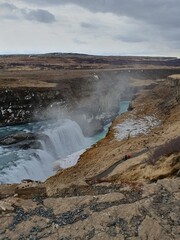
(91, 95)
(21, 105)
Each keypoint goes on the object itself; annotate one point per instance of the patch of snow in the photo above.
(132, 127)
(68, 161)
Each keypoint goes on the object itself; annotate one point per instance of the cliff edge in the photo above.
(125, 187)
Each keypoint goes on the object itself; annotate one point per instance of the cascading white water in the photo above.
(37, 167)
(62, 143)
(60, 140)
(65, 139)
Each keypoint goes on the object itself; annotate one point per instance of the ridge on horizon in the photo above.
(63, 54)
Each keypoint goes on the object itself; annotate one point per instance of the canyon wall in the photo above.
(34, 88)
(25, 104)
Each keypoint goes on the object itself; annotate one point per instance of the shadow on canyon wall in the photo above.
(92, 100)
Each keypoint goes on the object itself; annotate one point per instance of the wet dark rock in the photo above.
(28, 144)
(21, 140)
(17, 137)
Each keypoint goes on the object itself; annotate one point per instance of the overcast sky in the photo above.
(103, 27)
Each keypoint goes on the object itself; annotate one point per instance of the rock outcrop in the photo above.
(174, 81)
(118, 211)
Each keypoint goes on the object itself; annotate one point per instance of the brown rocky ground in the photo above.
(135, 200)
(56, 70)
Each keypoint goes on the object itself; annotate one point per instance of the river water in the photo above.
(62, 146)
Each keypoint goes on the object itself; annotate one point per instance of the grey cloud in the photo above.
(171, 37)
(130, 38)
(39, 15)
(135, 34)
(157, 12)
(88, 25)
(45, 2)
(7, 6)
(10, 11)
(153, 23)
(77, 41)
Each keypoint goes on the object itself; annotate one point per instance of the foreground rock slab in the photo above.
(141, 211)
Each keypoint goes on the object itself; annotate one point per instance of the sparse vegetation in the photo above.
(170, 147)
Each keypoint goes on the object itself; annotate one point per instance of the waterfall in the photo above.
(59, 140)
(65, 139)
(62, 142)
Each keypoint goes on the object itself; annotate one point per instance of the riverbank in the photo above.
(137, 199)
(150, 125)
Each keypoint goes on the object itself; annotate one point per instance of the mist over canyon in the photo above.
(55, 106)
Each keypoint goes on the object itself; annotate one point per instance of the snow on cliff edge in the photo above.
(132, 127)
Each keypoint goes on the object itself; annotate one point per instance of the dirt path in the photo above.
(113, 166)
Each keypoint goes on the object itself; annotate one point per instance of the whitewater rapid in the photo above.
(61, 139)
(62, 143)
